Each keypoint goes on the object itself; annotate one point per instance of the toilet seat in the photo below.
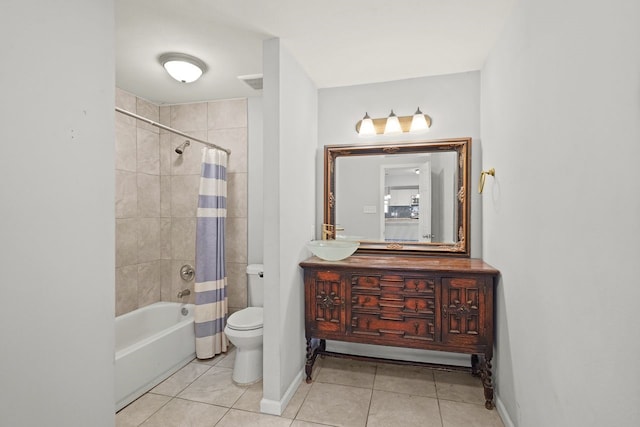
(247, 319)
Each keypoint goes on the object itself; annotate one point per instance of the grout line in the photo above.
(375, 374)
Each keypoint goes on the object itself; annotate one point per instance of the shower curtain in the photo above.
(211, 279)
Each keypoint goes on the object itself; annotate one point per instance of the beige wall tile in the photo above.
(126, 194)
(126, 242)
(159, 236)
(147, 110)
(183, 238)
(165, 280)
(236, 240)
(237, 195)
(166, 154)
(189, 117)
(149, 284)
(126, 289)
(165, 196)
(126, 101)
(125, 146)
(165, 238)
(148, 152)
(234, 140)
(164, 113)
(230, 113)
(236, 285)
(148, 196)
(148, 239)
(184, 195)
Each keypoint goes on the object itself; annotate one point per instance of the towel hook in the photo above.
(483, 175)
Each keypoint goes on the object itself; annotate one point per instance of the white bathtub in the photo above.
(152, 343)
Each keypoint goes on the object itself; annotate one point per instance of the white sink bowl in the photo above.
(332, 250)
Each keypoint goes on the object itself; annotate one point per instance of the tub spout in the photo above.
(184, 293)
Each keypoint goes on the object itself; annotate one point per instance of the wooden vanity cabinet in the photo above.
(443, 304)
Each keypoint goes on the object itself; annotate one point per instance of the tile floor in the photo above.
(344, 393)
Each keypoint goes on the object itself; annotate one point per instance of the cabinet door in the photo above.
(325, 301)
(464, 311)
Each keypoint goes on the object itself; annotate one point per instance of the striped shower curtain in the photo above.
(211, 279)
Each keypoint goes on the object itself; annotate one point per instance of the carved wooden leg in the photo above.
(308, 367)
(474, 365)
(487, 383)
(322, 347)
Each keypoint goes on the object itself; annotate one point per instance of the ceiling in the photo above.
(337, 42)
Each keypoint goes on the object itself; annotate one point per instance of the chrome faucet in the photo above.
(184, 293)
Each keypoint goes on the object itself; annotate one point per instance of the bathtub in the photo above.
(152, 343)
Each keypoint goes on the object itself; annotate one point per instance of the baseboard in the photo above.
(400, 353)
(276, 407)
(502, 411)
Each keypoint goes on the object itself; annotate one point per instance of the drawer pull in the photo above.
(416, 327)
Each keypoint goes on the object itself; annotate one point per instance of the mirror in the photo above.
(405, 198)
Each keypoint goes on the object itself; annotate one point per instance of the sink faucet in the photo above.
(184, 293)
(329, 231)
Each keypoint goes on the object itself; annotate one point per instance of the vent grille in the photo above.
(254, 81)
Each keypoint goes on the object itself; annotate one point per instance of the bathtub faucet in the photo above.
(184, 293)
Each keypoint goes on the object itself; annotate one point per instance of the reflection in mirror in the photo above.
(402, 197)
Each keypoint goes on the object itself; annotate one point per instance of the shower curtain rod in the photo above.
(172, 130)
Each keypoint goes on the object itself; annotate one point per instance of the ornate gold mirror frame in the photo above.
(460, 246)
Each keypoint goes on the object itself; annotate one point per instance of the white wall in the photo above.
(561, 126)
(452, 101)
(255, 238)
(290, 140)
(56, 204)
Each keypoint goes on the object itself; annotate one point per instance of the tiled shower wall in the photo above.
(157, 193)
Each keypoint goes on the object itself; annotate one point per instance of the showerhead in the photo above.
(180, 148)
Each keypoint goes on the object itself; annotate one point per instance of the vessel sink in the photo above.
(332, 250)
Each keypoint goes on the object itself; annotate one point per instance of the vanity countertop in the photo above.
(406, 263)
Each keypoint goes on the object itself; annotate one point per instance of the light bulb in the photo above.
(366, 126)
(392, 125)
(419, 122)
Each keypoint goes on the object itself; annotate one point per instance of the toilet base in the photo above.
(247, 368)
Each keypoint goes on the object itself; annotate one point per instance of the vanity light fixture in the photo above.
(366, 126)
(182, 67)
(392, 125)
(418, 122)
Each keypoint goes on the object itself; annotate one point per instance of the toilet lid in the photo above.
(246, 319)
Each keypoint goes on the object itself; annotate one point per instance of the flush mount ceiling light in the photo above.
(182, 67)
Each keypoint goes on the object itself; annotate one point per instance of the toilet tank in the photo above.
(255, 285)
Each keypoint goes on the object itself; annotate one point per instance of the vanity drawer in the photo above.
(393, 327)
(365, 282)
(420, 285)
(393, 303)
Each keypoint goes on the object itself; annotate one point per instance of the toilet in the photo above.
(244, 330)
